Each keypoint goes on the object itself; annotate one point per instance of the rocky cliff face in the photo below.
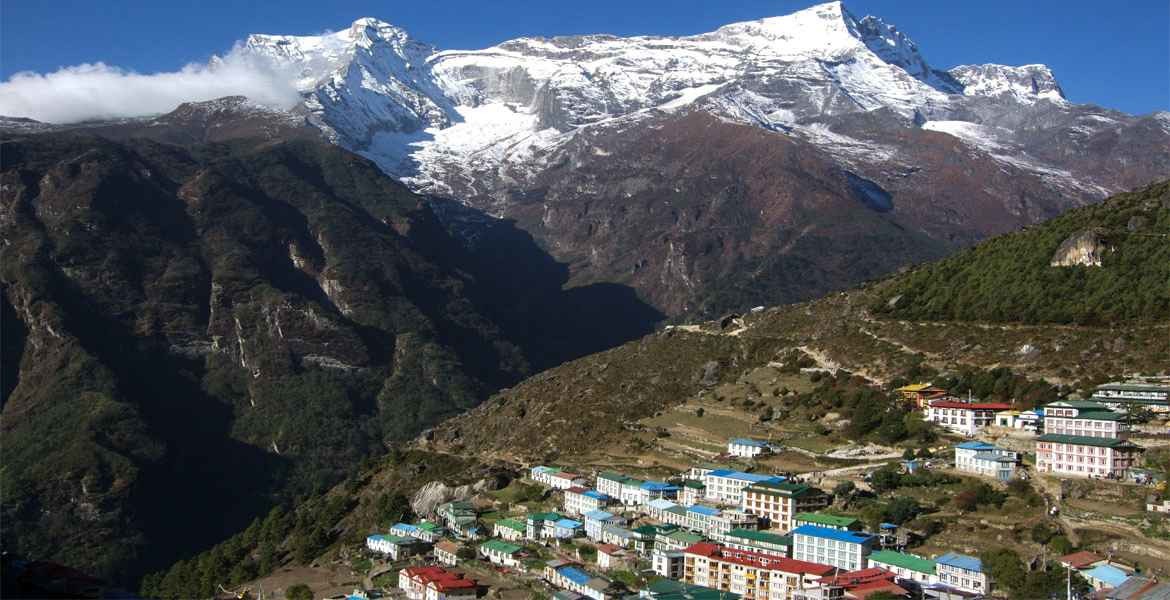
(1084, 249)
(204, 330)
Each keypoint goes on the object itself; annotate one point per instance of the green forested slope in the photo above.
(1010, 278)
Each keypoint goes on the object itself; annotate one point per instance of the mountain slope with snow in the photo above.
(539, 130)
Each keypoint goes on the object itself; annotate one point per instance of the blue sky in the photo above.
(1116, 54)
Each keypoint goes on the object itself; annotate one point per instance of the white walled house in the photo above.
(747, 447)
(580, 500)
(726, 486)
(906, 566)
(988, 460)
(962, 572)
(510, 530)
(844, 549)
(501, 553)
(1082, 418)
(965, 418)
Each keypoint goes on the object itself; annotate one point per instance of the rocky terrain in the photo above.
(874, 332)
(231, 324)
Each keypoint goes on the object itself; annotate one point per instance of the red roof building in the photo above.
(756, 574)
(865, 582)
(441, 583)
(966, 418)
(1079, 560)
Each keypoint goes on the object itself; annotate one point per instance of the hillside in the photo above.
(814, 377)
(843, 331)
(1113, 265)
(235, 324)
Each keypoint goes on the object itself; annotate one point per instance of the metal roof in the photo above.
(575, 575)
(501, 546)
(906, 561)
(703, 510)
(961, 561)
(1083, 440)
(598, 515)
(823, 519)
(748, 442)
(849, 537)
(1111, 575)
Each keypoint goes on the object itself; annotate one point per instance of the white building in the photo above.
(396, 547)
(597, 520)
(667, 562)
(988, 460)
(579, 500)
(1023, 420)
(447, 552)
(501, 553)
(1081, 418)
(847, 550)
(730, 519)
(750, 574)
(962, 572)
(626, 490)
(543, 474)
(573, 578)
(1121, 395)
(906, 566)
(747, 447)
(611, 556)
(435, 583)
(691, 492)
(965, 418)
(510, 530)
(725, 485)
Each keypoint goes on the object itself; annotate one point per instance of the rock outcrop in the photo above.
(1083, 249)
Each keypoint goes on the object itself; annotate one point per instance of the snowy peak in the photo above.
(896, 48)
(1027, 83)
(821, 31)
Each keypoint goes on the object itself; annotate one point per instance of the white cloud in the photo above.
(100, 91)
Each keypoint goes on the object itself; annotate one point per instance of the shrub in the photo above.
(299, 591)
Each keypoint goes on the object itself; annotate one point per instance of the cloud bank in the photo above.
(100, 91)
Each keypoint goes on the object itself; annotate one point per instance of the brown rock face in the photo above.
(1084, 249)
(701, 215)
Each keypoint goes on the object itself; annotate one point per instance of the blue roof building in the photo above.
(963, 572)
(749, 442)
(598, 515)
(977, 446)
(706, 511)
(961, 561)
(836, 547)
(1105, 576)
(575, 575)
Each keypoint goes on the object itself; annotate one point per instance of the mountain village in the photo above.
(729, 530)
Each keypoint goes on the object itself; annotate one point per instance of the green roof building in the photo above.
(669, 589)
(905, 566)
(750, 539)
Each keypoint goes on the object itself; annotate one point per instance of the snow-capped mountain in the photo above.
(434, 117)
(765, 161)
